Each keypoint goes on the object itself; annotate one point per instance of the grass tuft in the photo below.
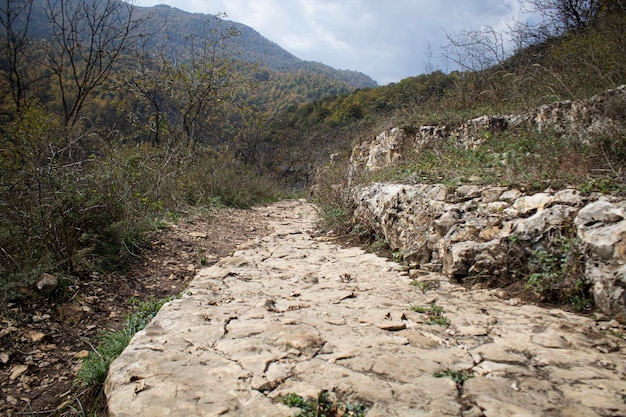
(458, 376)
(434, 315)
(111, 343)
(323, 406)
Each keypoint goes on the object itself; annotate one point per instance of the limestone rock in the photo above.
(581, 118)
(466, 231)
(601, 226)
(358, 339)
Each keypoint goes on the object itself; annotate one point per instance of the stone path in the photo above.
(292, 313)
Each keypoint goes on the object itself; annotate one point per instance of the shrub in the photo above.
(323, 406)
(332, 196)
(556, 272)
(72, 204)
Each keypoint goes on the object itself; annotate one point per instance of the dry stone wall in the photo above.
(468, 230)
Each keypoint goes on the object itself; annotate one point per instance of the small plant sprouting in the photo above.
(322, 406)
(425, 285)
(458, 376)
(398, 256)
(434, 314)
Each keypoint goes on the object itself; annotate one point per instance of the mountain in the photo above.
(171, 27)
(248, 45)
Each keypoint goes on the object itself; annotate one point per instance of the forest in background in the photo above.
(108, 129)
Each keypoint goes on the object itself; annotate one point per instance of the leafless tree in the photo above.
(556, 17)
(185, 90)
(14, 42)
(476, 49)
(88, 38)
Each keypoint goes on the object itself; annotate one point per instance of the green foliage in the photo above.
(69, 212)
(332, 196)
(458, 376)
(556, 273)
(426, 285)
(322, 406)
(379, 244)
(434, 314)
(397, 256)
(615, 333)
(111, 343)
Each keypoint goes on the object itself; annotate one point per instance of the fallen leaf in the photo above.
(82, 354)
(35, 336)
(17, 370)
(7, 331)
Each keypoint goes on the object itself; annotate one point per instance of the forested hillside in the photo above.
(107, 127)
(117, 120)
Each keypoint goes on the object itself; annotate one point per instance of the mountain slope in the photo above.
(249, 45)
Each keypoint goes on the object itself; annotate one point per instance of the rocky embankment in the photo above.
(468, 230)
(479, 232)
(296, 313)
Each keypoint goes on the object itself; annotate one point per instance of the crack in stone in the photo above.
(329, 337)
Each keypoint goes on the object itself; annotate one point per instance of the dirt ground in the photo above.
(42, 343)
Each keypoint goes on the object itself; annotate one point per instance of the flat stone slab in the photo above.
(296, 313)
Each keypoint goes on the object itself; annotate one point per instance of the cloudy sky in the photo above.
(386, 39)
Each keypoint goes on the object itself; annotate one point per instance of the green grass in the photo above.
(425, 286)
(111, 343)
(458, 376)
(322, 406)
(522, 158)
(434, 314)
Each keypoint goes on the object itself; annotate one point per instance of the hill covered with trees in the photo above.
(115, 120)
(114, 116)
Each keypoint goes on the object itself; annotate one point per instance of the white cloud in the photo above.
(384, 39)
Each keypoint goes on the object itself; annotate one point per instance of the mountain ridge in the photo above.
(251, 46)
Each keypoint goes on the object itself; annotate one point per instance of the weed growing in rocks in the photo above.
(323, 406)
(434, 314)
(425, 286)
(615, 333)
(398, 256)
(458, 376)
(556, 272)
(379, 244)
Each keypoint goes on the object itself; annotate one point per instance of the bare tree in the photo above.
(204, 79)
(88, 38)
(14, 47)
(184, 91)
(559, 16)
(149, 80)
(476, 49)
